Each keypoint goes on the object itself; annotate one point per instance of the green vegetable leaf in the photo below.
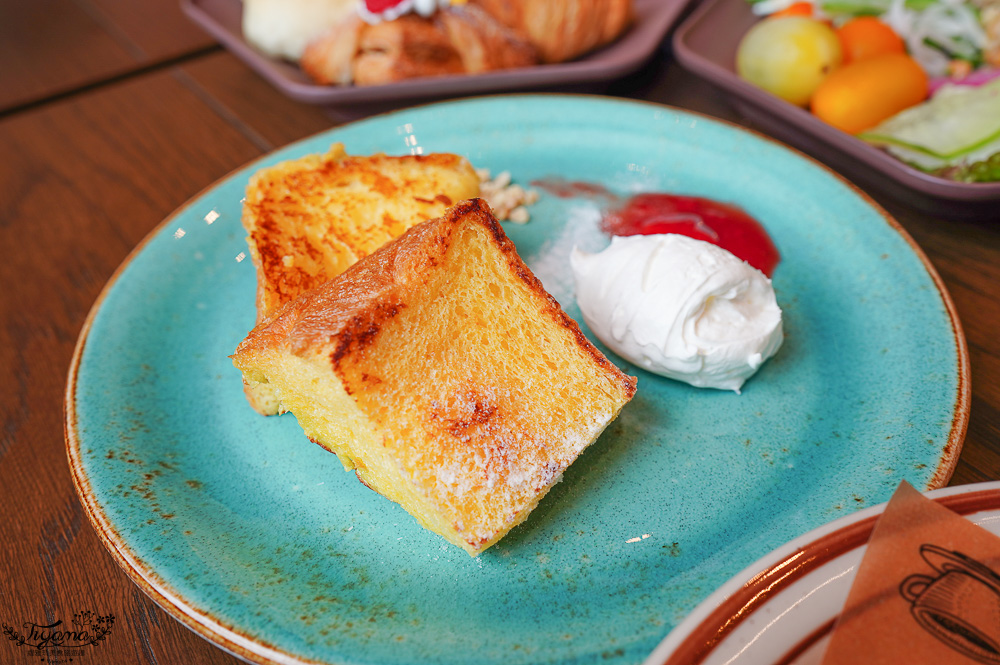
(957, 124)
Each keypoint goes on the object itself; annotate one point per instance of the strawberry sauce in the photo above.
(702, 219)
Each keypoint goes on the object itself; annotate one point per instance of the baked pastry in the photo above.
(462, 39)
(563, 29)
(308, 219)
(440, 370)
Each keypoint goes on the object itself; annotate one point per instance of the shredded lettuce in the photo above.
(850, 8)
(945, 30)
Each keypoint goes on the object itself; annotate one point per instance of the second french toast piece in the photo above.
(308, 219)
(440, 370)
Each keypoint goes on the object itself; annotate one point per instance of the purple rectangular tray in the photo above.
(223, 20)
(706, 44)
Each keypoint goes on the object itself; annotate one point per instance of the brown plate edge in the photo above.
(735, 609)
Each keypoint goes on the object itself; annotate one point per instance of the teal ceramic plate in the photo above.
(258, 539)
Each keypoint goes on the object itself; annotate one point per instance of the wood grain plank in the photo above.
(157, 28)
(82, 182)
(274, 118)
(980, 458)
(50, 46)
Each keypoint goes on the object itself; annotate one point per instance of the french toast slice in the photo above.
(308, 219)
(441, 371)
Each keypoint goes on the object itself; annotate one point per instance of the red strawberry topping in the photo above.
(379, 6)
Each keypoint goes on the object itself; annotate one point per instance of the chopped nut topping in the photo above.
(508, 201)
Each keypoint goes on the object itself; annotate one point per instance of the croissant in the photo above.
(463, 39)
(563, 29)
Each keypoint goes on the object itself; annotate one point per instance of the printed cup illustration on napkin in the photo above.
(927, 590)
(960, 606)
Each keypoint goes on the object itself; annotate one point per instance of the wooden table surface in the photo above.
(114, 113)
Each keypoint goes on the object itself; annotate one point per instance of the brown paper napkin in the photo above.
(925, 592)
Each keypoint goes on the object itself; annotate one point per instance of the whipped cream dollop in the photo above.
(679, 307)
(376, 11)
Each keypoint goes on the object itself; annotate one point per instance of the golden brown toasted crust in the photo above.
(455, 40)
(443, 373)
(563, 29)
(307, 220)
(344, 315)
